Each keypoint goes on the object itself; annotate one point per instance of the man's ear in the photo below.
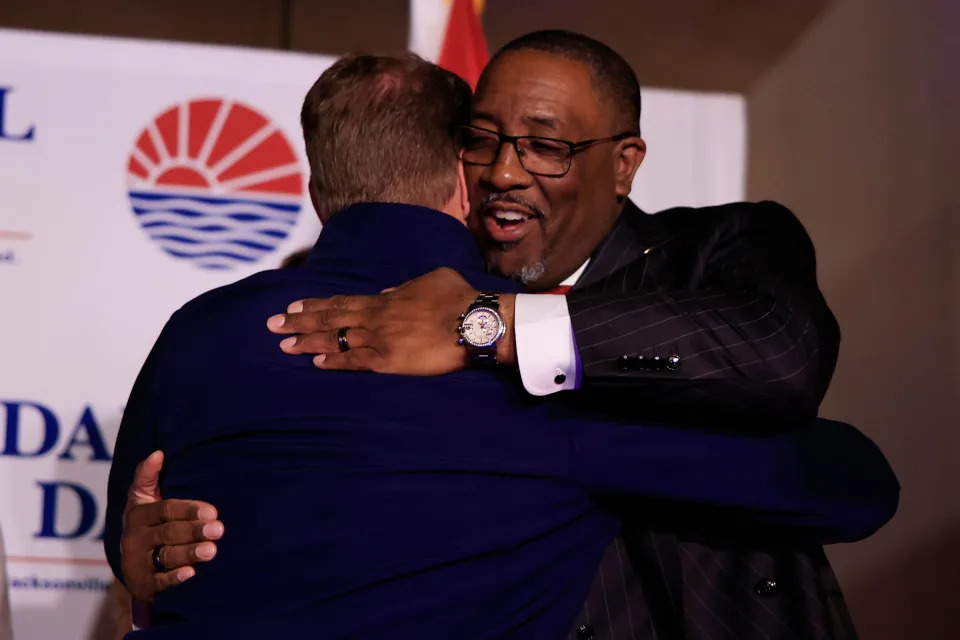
(464, 195)
(314, 196)
(630, 152)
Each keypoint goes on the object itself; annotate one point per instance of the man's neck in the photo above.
(408, 239)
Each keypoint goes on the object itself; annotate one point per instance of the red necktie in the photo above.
(559, 290)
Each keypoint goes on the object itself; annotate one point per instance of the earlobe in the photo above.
(630, 155)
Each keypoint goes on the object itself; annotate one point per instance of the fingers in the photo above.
(146, 480)
(314, 321)
(181, 544)
(161, 581)
(341, 303)
(185, 555)
(326, 341)
(155, 513)
(176, 534)
(353, 360)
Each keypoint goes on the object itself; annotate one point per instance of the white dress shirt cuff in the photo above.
(546, 347)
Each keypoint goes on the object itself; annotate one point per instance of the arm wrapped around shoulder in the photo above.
(851, 480)
(822, 482)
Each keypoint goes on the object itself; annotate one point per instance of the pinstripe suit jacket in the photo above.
(711, 314)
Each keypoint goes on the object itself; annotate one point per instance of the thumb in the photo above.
(398, 287)
(146, 480)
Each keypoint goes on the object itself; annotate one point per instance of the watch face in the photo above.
(482, 327)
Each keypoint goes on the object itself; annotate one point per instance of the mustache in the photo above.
(511, 198)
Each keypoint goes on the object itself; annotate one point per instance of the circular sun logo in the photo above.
(214, 182)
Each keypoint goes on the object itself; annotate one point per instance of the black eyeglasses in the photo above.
(541, 156)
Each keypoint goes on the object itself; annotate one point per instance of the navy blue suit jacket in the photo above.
(380, 506)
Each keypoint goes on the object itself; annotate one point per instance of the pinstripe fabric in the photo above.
(721, 602)
(615, 605)
(732, 292)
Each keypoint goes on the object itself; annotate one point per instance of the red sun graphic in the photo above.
(217, 146)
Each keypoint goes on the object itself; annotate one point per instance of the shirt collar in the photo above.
(572, 280)
(409, 238)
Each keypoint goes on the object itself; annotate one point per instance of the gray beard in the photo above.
(532, 272)
(528, 274)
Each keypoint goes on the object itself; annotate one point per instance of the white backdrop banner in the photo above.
(134, 176)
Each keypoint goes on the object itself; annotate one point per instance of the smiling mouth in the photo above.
(508, 225)
(507, 218)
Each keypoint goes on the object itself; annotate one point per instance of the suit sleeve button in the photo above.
(585, 632)
(673, 362)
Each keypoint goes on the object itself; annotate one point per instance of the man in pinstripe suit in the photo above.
(709, 314)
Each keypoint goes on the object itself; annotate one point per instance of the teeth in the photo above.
(510, 216)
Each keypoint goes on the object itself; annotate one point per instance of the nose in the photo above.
(506, 173)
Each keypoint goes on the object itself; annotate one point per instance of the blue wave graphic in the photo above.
(153, 195)
(214, 233)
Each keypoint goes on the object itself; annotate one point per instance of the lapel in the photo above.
(634, 235)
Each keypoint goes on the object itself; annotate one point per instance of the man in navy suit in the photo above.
(386, 506)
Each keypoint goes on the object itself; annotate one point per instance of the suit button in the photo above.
(623, 363)
(673, 362)
(585, 632)
(766, 588)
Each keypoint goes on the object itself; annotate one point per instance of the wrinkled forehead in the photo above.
(539, 93)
